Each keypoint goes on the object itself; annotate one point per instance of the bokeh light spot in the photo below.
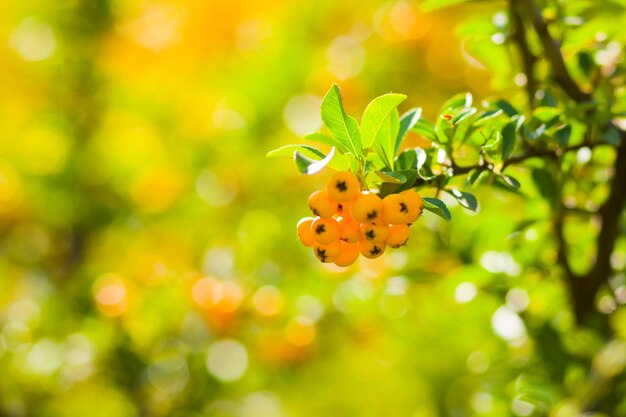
(227, 360)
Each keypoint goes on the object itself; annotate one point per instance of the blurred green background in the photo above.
(148, 258)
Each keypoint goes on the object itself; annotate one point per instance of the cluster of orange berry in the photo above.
(349, 221)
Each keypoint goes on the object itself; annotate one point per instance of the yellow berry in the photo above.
(325, 231)
(398, 235)
(371, 250)
(348, 254)
(402, 208)
(343, 186)
(366, 207)
(374, 232)
(321, 204)
(327, 253)
(304, 231)
(349, 230)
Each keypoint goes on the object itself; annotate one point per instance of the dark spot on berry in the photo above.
(321, 254)
(375, 250)
(342, 186)
(339, 208)
(320, 229)
(403, 208)
(370, 234)
(372, 215)
(315, 211)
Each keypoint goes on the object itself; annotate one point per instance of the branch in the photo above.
(553, 53)
(518, 36)
(455, 170)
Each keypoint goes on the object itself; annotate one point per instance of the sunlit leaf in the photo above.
(391, 176)
(374, 118)
(407, 122)
(327, 140)
(344, 129)
(465, 199)
(438, 207)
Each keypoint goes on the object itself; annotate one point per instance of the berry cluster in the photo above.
(349, 221)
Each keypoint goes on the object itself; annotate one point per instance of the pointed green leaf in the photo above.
(411, 177)
(465, 199)
(509, 134)
(338, 162)
(545, 183)
(375, 115)
(343, 128)
(546, 114)
(426, 129)
(326, 140)
(456, 101)
(611, 135)
(287, 152)
(506, 107)
(385, 143)
(407, 121)
(310, 166)
(438, 207)
(407, 160)
(510, 182)
(391, 176)
(563, 134)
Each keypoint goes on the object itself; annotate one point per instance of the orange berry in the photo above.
(398, 235)
(304, 231)
(405, 207)
(371, 250)
(366, 207)
(415, 200)
(374, 232)
(343, 186)
(321, 204)
(325, 231)
(349, 230)
(343, 209)
(349, 253)
(327, 253)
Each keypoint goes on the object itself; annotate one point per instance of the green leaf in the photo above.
(475, 176)
(545, 183)
(563, 134)
(287, 151)
(465, 199)
(463, 115)
(611, 135)
(509, 134)
(488, 115)
(438, 207)
(374, 118)
(338, 161)
(326, 140)
(310, 166)
(510, 182)
(407, 121)
(411, 177)
(506, 107)
(385, 143)
(406, 160)
(456, 101)
(444, 130)
(391, 176)
(426, 129)
(343, 128)
(546, 114)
